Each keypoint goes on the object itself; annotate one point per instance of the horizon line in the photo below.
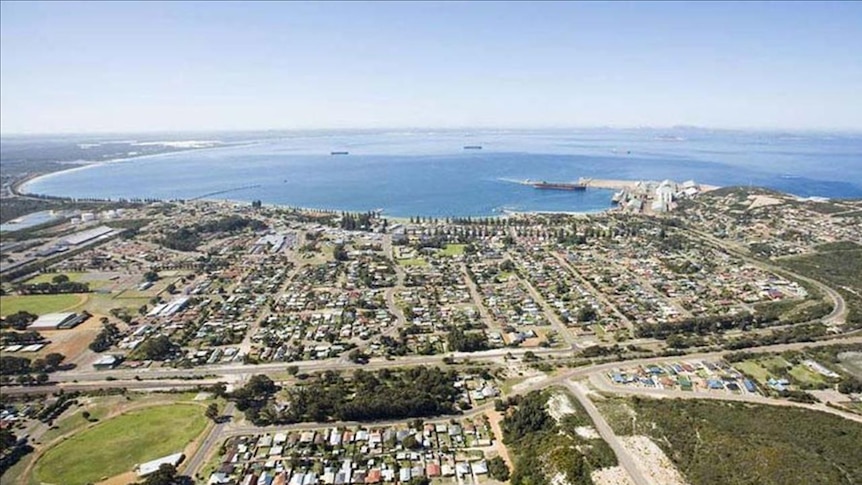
(834, 130)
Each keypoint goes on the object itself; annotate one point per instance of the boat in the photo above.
(472, 147)
(557, 185)
(339, 153)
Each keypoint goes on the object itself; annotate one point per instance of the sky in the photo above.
(111, 67)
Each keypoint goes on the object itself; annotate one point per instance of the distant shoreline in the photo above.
(18, 188)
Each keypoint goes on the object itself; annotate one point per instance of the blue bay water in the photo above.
(429, 173)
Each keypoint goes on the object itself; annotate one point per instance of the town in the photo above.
(296, 325)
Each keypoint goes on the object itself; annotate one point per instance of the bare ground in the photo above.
(652, 461)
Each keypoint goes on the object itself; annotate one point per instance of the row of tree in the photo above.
(60, 284)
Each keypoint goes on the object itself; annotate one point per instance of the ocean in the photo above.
(429, 173)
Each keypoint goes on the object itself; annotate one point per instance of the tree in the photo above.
(165, 475)
(498, 469)
(339, 253)
(60, 279)
(171, 288)
(156, 348)
(358, 357)
(53, 360)
(7, 439)
(212, 411)
(293, 370)
(151, 276)
(587, 314)
(20, 320)
(411, 443)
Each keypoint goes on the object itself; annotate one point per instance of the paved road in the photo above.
(552, 317)
(172, 378)
(193, 465)
(624, 458)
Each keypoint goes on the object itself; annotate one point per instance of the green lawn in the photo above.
(95, 284)
(413, 262)
(753, 369)
(454, 249)
(37, 304)
(802, 375)
(117, 445)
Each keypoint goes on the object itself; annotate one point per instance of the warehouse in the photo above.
(153, 466)
(59, 321)
(87, 236)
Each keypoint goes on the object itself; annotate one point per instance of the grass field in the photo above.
(117, 445)
(413, 262)
(454, 249)
(38, 304)
(763, 368)
(94, 283)
(804, 375)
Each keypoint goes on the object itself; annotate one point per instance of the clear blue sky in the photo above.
(85, 67)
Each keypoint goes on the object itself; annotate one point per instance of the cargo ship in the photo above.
(556, 185)
(472, 147)
(339, 153)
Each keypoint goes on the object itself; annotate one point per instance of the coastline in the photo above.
(19, 189)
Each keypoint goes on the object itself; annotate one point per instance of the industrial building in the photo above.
(153, 466)
(59, 321)
(88, 236)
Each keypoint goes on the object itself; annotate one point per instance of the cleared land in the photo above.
(39, 304)
(117, 445)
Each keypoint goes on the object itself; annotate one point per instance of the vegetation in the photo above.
(798, 333)
(356, 222)
(165, 475)
(116, 445)
(11, 449)
(498, 469)
(60, 284)
(19, 320)
(386, 394)
(697, 325)
(731, 443)
(543, 448)
(156, 348)
(459, 341)
(838, 265)
(37, 304)
(189, 238)
(107, 337)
